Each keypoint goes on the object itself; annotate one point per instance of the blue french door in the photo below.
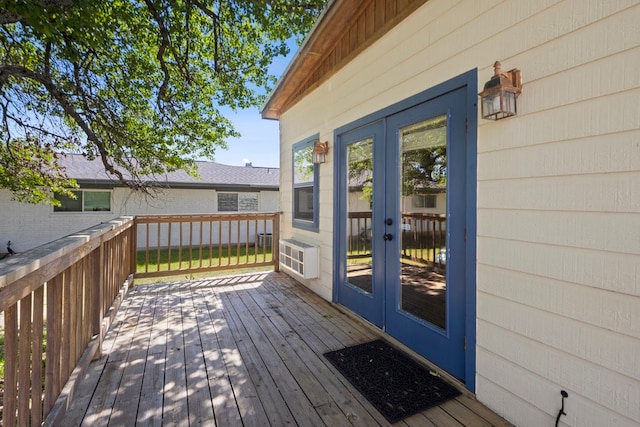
(402, 208)
(361, 205)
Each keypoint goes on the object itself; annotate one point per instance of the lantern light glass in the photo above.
(499, 97)
(319, 153)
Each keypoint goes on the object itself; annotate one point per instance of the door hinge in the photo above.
(465, 234)
(465, 343)
(466, 124)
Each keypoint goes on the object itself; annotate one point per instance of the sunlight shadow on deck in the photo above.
(225, 351)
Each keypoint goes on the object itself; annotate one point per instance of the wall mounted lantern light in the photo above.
(320, 152)
(500, 94)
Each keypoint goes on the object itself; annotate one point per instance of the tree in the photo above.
(423, 160)
(135, 83)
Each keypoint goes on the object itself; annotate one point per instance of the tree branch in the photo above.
(216, 32)
(8, 17)
(61, 98)
(164, 44)
(47, 60)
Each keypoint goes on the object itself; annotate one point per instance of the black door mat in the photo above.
(393, 382)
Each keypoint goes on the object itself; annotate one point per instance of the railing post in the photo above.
(134, 247)
(97, 297)
(275, 243)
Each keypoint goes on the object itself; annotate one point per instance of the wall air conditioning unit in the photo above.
(299, 258)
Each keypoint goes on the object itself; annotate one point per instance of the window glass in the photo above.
(303, 165)
(67, 204)
(424, 201)
(228, 202)
(85, 201)
(305, 185)
(238, 202)
(97, 201)
(303, 208)
(248, 202)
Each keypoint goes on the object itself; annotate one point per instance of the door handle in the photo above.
(387, 237)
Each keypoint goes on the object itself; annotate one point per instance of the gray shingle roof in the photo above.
(211, 174)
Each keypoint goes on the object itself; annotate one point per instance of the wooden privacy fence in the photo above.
(58, 301)
(186, 244)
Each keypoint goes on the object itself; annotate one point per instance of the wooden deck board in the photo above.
(309, 348)
(149, 411)
(175, 409)
(232, 351)
(200, 406)
(220, 388)
(245, 374)
(306, 391)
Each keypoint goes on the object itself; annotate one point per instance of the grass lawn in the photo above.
(241, 256)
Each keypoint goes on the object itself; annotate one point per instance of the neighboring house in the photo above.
(218, 189)
(541, 290)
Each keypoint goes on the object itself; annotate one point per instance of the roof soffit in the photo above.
(346, 28)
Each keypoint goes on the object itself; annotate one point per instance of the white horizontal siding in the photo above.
(29, 226)
(505, 402)
(558, 239)
(615, 233)
(322, 238)
(600, 154)
(500, 375)
(601, 308)
(613, 271)
(614, 192)
(614, 352)
(605, 115)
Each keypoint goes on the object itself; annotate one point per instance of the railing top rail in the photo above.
(420, 215)
(353, 215)
(41, 258)
(141, 219)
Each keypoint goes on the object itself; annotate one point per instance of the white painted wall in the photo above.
(28, 226)
(558, 269)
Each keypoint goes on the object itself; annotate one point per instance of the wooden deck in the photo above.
(243, 350)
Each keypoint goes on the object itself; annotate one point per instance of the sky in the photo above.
(259, 143)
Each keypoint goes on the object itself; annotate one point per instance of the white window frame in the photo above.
(80, 194)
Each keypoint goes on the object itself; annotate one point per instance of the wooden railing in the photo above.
(359, 230)
(169, 245)
(58, 301)
(423, 236)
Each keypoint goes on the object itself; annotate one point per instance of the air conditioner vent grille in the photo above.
(299, 258)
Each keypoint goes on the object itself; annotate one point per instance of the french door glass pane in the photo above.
(423, 249)
(359, 210)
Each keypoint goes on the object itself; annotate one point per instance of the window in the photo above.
(305, 185)
(424, 201)
(85, 201)
(238, 202)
